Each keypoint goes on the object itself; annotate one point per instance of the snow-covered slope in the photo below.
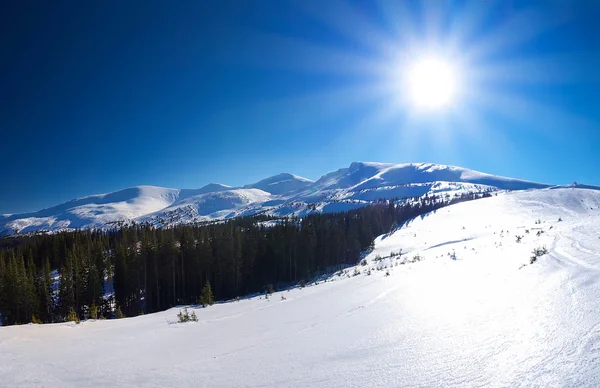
(281, 195)
(463, 306)
(94, 210)
(282, 184)
(209, 206)
(364, 175)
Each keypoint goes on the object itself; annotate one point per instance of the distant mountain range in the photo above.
(360, 184)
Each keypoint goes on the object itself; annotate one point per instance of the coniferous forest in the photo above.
(142, 269)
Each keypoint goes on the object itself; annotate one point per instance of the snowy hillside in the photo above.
(282, 184)
(94, 210)
(213, 205)
(281, 195)
(462, 305)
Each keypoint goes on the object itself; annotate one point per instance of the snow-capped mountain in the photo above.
(281, 195)
(282, 184)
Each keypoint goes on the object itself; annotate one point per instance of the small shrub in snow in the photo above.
(184, 316)
(537, 252)
(519, 238)
(559, 219)
(94, 312)
(73, 317)
(363, 262)
(387, 273)
(283, 297)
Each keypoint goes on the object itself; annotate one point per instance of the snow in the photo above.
(96, 210)
(282, 184)
(472, 312)
(359, 184)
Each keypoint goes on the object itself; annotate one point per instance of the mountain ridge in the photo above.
(284, 194)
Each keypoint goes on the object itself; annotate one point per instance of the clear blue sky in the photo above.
(100, 96)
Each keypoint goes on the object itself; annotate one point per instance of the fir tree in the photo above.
(207, 296)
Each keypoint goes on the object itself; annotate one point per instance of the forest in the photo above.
(140, 269)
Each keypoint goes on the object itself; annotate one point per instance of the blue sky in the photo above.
(97, 98)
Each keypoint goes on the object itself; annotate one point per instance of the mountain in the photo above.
(365, 175)
(93, 210)
(282, 184)
(210, 188)
(462, 306)
(360, 184)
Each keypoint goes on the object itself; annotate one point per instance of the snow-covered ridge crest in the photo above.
(283, 194)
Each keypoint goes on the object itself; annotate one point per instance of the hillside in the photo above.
(285, 194)
(463, 305)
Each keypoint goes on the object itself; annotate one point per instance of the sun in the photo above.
(431, 83)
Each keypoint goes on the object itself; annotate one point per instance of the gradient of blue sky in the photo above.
(96, 98)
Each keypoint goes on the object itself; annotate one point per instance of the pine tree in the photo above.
(93, 311)
(44, 291)
(66, 294)
(207, 296)
(72, 316)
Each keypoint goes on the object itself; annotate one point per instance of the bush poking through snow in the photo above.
(519, 238)
(185, 316)
(73, 317)
(94, 312)
(363, 262)
(537, 252)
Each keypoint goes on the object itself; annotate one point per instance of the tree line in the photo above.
(143, 269)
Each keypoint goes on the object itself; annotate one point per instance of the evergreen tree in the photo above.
(207, 296)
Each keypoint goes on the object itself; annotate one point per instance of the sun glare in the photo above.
(431, 83)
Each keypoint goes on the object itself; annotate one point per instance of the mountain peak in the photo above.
(280, 184)
(283, 194)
